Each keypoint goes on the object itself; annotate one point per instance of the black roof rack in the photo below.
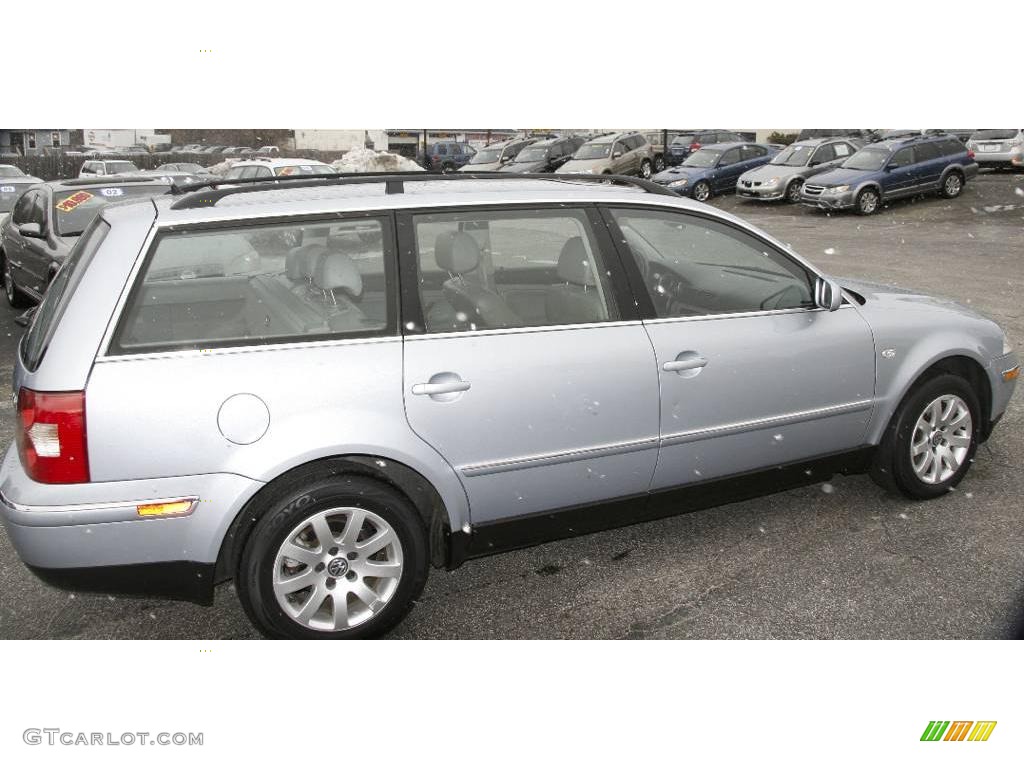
(394, 183)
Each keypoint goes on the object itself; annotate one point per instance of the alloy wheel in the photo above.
(793, 191)
(952, 185)
(337, 569)
(941, 439)
(702, 191)
(868, 202)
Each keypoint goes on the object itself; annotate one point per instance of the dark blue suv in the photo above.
(889, 170)
(446, 156)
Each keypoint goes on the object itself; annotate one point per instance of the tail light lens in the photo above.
(695, 146)
(51, 436)
(970, 153)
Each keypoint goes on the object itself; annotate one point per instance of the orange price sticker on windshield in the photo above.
(287, 171)
(70, 203)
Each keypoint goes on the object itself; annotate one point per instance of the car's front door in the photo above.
(526, 367)
(753, 375)
(728, 171)
(900, 176)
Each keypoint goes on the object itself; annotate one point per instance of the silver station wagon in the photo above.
(322, 388)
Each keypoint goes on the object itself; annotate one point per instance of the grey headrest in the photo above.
(574, 263)
(456, 252)
(302, 262)
(336, 271)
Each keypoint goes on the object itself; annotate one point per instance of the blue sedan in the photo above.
(715, 169)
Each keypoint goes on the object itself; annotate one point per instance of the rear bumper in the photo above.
(90, 537)
(997, 158)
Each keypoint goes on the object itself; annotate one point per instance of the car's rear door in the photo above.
(929, 165)
(752, 374)
(526, 366)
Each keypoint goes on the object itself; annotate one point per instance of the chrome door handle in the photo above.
(440, 388)
(689, 364)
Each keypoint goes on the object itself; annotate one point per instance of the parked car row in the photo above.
(832, 173)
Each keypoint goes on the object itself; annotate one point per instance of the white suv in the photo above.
(278, 166)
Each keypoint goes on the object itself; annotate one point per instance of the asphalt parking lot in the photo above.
(836, 560)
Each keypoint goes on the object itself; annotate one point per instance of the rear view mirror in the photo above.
(30, 230)
(828, 294)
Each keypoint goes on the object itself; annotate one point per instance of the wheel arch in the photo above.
(957, 362)
(445, 531)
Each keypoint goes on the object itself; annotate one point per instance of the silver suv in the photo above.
(235, 383)
(614, 153)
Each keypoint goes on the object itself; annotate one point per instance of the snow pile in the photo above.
(370, 161)
(219, 169)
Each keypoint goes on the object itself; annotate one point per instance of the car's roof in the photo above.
(312, 200)
(721, 147)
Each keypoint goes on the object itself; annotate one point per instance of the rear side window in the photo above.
(246, 285)
(928, 151)
(58, 294)
(951, 147)
(510, 269)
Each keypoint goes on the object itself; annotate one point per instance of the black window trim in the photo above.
(645, 304)
(391, 281)
(413, 319)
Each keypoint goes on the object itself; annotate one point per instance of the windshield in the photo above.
(8, 194)
(994, 133)
(867, 159)
(121, 166)
(306, 169)
(533, 154)
(486, 156)
(593, 151)
(8, 171)
(797, 154)
(703, 158)
(685, 139)
(74, 210)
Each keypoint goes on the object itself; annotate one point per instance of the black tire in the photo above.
(952, 185)
(793, 191)
(701, 191)
(309, 491)
(659, 164)
(868, 201)
(645, 169)
(15, 297)
(448, 168)
(893, 469)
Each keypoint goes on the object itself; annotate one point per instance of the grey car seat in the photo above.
(336, 276)
(458, 254)
(577, 299)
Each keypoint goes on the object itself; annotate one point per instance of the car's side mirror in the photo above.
(30, 230)
(827, 294)
(891, 167)
(617, 154)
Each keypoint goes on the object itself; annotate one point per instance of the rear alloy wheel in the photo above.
(645, 169)
(702, 191)
(793, 191)
(448, 168)
(953, 185)
(14, 296)
(333, 557)
(867, 202)
(659, 164)
(931, 440)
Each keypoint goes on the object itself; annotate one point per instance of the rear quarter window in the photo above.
(47, 317)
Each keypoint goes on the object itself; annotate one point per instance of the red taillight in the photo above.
(435, 158)
(970, 153)
(695, 146)
(51, 436)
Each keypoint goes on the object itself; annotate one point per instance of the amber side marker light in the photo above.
(1011, 374)
(166, 508)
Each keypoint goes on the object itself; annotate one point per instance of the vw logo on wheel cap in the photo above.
(338, 567)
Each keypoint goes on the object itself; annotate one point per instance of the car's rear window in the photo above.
(9, 193)
(74, 209)
(241, 285)
(1000, 134)
(47, 316)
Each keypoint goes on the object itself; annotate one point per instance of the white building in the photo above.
(123, 137)
(339, 140)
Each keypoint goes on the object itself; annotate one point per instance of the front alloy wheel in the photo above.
(941, 439)
(793, 191)
(645, 169)
(867, 202)
(701, 191)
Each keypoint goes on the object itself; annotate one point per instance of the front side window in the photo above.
(904, 157)
(23, 208)
(752, 152)
(731, 156)
(510, 269)
(825, 154)
(693, 266)
(253, 284)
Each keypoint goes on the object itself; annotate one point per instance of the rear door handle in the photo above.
(440, 389)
